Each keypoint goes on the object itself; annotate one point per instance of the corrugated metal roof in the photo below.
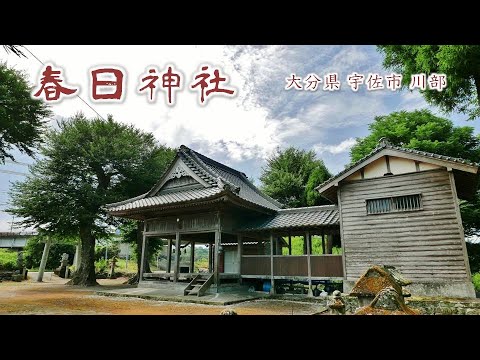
(296, 218)
(384, 144)
(184, 196)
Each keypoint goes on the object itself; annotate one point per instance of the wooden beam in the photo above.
(192, 256)
(417, 165)
(460, 224)
(323, 242)
(341, 233)
(387, 161)
(309, 264)
(142, 259)
(239, 253)
(176, 269)
(329, 243)
(210, 257)
(169, 256)
(289, 244)
(218, 240)
(272, 281)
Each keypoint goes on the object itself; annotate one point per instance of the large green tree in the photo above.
(22, 119)
(86, 164)
(291, 176)
(461, 64)
(421, 130)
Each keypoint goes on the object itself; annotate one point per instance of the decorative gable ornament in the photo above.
(177, 173)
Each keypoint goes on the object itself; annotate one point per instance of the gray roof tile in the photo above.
(296, 218)
(184, 196)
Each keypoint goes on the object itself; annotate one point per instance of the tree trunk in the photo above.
(85, 275)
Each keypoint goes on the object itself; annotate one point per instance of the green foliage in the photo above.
(297, 246)
(113, 249)
(86, 164)
(471, 215)
(8, 259)
(34, 250)
(476, 281)
(461, 64)
(291, 176)
(473, 250)
(22, 119)
(101, 266)
(421, 130)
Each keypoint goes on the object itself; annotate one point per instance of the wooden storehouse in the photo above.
(395, 207)
(400, 207)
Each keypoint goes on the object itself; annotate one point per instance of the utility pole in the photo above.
(43, 263)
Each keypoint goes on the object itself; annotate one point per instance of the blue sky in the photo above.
(241, 131)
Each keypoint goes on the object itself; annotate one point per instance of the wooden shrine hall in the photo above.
(395, 206)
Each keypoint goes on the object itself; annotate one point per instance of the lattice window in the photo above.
(394, 204)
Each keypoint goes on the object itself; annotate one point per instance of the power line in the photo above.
(13, 172)
(41, 62)
(8, 161)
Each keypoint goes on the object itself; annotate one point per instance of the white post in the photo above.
(126, 257)
(309, 265)
(76, 260)
(177, 256)
(142, 260)
(272, 281)
(218, 240)
(43, 263)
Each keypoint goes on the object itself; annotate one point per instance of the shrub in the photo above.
(8, 259)
(34, 250)
(113, 250)
(476, 281)
(101, 266)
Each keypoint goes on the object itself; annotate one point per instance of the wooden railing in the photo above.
(255, 265)
(290, 265)
(326, 265)
(321, 265)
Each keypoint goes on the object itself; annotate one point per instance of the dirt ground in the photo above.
(54, 297)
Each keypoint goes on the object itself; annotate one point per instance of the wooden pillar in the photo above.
(192, 257)
(142, 259)
(176, 269)
(329, 243)
(210, 257)
(218, 239)
(169, 256)
(43, 262)
(289, 244)
(239, 254)
(304, 246)
(309, 265)
(323, 243)
(272, 281)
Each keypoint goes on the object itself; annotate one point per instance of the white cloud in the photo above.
(342, 147)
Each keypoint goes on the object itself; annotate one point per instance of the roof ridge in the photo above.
(209, 171)
(309, 208)
(216, 163)
(236, 172)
